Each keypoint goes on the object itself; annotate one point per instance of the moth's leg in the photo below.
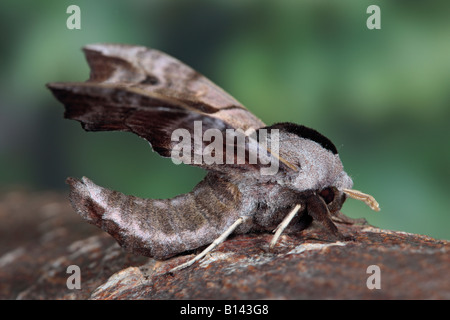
(318, 210)
(280, 228)
(213, 245)
(342, 218)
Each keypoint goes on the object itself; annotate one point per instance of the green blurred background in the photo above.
(382, 96)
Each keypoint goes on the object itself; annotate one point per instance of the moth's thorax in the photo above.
(318, 168)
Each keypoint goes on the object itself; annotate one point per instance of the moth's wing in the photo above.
(150, 94)
(158, 75)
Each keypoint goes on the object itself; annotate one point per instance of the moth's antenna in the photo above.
(366, 198)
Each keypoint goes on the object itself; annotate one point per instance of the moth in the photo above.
(151, 94)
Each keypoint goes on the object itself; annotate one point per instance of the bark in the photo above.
(42, 236)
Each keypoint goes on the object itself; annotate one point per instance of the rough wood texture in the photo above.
(42, 236)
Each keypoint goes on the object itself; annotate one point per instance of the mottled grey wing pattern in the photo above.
(149, 93)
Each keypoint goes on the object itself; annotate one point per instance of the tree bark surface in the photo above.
(42, 236)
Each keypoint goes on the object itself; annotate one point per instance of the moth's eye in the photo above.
(327, 195)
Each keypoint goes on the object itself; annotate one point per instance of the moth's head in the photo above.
(312, 164)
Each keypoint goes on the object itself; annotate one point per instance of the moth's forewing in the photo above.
(149, 93)
(165, 79)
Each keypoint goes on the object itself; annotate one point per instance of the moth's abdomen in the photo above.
(158, 228)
